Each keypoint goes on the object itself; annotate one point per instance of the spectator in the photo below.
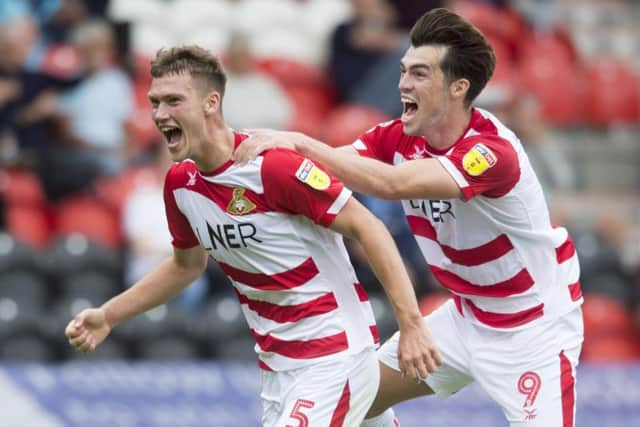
(95, 111)
(28, 98)
(269, 106)
(547, 158)
(364, 58)
(147, 233)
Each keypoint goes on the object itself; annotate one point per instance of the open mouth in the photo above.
(409, 109)
(173, 135)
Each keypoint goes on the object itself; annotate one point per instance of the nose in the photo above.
(404, 83)
(159, 112)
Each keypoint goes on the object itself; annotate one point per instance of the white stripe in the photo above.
(309, 328)
(495, 271)
(340, 201)
(312, 289)
(359, 145)
(247, 176)
(453, 171)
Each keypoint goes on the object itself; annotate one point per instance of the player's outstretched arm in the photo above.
(418, 354)
(91, 326)
(417, 179)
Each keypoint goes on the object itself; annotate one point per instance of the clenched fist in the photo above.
(88, 329)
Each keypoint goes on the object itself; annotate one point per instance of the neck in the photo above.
(446, 132)
(219, 147)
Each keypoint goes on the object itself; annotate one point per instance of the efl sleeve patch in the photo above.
(313, 176)
(478, 159)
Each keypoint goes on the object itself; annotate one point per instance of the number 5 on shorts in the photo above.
(296, 413)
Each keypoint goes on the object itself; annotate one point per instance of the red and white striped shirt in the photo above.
(265, 224)
(496, 249)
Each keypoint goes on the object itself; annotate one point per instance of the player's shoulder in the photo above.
(390, 132)
(181, 173)
(387, 129)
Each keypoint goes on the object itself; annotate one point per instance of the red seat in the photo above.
(310, 106)
(115, 190)
(612, 95)
(289, 72)
(22, 187)
(90, 217)
(347, 122)
(614, 348)
(557, 84)
(29, 224)
(604, 316)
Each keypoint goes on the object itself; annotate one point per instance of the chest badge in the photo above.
(239, 204)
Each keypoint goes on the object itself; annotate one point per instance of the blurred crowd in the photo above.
(82, 166)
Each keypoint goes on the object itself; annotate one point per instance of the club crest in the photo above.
(239, 204)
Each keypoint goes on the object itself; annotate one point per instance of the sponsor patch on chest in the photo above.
(313, 176)
(478, 159)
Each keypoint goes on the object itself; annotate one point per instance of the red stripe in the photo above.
(567, 390)
(263, 365)
(362, 294)
(337, 419)
(575, 291)
(458, 301)
(291, 313)
(293, 278)
(482, 254)
(565, 251)
(374, 333)
(298, 349)
(422, 227)
(505, 320)
(517, 284)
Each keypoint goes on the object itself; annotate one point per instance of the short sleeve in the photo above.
(298, 186)
(380, 142)
(181, 232)
(483, 165)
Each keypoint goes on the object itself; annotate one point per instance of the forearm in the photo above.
(359, 173)
(162, 284)
(391, 272)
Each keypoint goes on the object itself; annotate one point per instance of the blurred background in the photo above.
(82, 168)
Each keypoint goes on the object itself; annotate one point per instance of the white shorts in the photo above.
(338, 392)
(530, 373)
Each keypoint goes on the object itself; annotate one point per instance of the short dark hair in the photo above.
(194, 60)
(468, 54)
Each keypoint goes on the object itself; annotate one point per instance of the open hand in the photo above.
(261, 140)
(418, 354)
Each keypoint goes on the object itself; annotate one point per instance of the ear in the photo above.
(212, 102)
(459, 88)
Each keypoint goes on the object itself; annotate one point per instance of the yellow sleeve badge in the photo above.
(478, 160)
(313, 176)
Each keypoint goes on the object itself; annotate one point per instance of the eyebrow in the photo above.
(417, 66)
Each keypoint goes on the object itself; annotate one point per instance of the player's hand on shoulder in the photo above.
(87, 330)
(418, 353)
(261, 140)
